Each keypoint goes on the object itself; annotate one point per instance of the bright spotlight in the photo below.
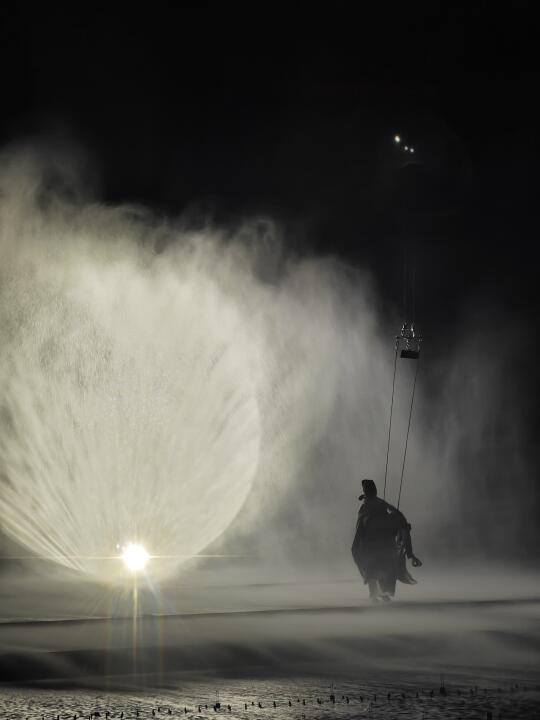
(406, 147)
(411, 149)
(397, 139)
(135, 557)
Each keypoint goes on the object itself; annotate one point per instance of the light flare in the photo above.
(135, 557)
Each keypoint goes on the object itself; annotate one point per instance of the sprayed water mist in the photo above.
(176, 399)
(140, 393)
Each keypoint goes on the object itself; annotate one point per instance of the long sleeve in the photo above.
(404, 528)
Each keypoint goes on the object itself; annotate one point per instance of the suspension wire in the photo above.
(390, 422)
(408, 430)
(413, 291)
(405, 318)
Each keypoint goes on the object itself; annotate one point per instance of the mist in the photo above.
(202, 390)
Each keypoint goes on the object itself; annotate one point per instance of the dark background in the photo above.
(230, 111)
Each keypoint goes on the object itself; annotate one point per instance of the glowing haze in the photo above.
(140, 392)
(204, 393)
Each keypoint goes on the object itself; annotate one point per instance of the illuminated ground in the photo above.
(274, 642)
(432, 635)
(383, 696)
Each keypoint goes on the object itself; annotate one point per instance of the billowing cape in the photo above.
(382, 543)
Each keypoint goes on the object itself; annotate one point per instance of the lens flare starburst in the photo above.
(135, 557)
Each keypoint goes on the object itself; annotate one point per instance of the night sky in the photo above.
(225, 111)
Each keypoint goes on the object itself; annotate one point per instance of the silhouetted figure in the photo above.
(274, 704)
(381, 545)
(290, 703)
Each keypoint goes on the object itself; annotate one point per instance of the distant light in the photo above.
(135, 557)
(412, 149)
(397, 139)
(406, 148)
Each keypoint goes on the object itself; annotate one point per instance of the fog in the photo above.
(201, 390)
(343, 642)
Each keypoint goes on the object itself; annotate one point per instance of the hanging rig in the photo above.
(408, 341)
(407, 345)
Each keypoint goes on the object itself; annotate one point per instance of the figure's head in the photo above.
(369, 488)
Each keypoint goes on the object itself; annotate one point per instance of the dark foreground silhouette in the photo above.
(382, 544)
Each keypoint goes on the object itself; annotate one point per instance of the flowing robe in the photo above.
(381, 545)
